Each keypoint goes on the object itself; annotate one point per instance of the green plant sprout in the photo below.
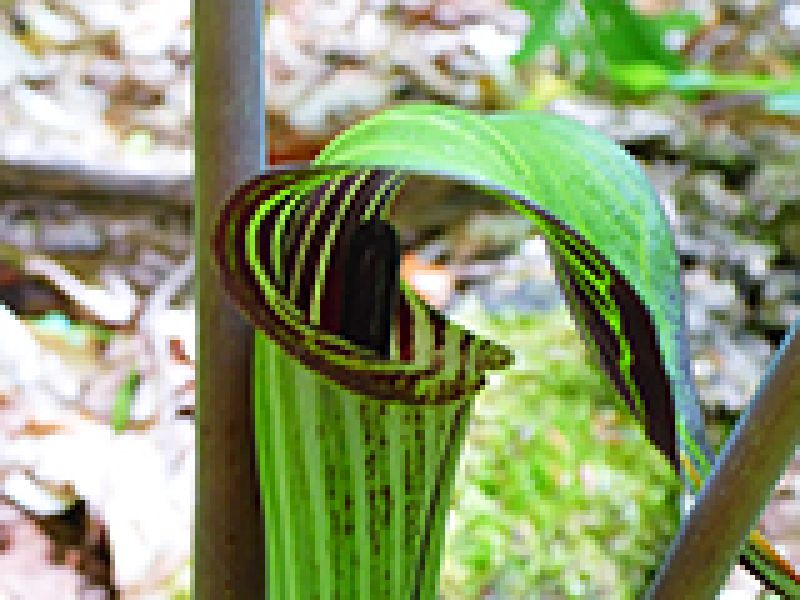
(358, 442)
(627, 49)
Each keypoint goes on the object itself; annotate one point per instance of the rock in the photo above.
(115, 474)
(78, 234)
(332, 102)
(114, 305)
(17, 62)
(50, 25)
(33, 496)
(624, 125)
(773, 187)
(26, 572)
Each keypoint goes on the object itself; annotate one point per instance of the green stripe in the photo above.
(298, 192)
(398, 489)
(788, 587)
(307, 399)
(281, 466)
(302, 253)
(324, 256)
(263, 369)
(356, 450)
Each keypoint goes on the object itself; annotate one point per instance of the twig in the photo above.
(734, 495)
(77, 180)
(161, 297)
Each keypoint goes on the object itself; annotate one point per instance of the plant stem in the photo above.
(728, 507)
(229, 148)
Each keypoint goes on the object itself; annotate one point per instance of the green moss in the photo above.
(558, 493)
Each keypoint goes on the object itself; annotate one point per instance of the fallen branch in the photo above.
(77, 180)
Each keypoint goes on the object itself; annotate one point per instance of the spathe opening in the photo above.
(324, 241)
(282, 244)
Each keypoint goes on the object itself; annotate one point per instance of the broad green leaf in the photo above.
(619, 33)
(596, 190)
(578, 176)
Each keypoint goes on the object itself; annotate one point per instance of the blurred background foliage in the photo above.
(558, 495)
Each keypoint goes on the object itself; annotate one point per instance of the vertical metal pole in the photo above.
(729, 505)
(229, 130)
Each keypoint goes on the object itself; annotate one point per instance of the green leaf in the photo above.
(641, 78)
(704, 80)
(627, 37)
(648, 78)
(123, 401)
(576, 175)
(619, 33)
(543, 27)
(611, 245)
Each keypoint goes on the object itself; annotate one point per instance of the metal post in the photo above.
(229, 128)
(729, 505)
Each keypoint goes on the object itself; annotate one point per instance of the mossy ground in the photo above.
(558, 494)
